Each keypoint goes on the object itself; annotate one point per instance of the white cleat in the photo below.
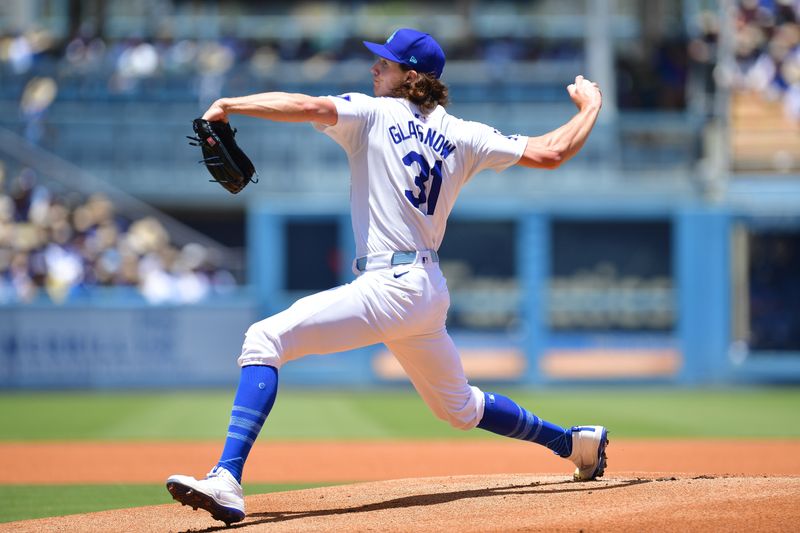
(589, 452)
(219, 494)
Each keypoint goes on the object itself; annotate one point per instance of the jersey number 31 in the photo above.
(425, 173)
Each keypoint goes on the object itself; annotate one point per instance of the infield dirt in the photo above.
(649, 486)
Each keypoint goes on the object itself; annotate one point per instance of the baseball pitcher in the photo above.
(409, 160)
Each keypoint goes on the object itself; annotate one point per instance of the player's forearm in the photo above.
(281, 107)
(554, 148)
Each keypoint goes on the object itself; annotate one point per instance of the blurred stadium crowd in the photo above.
(53, 248)
(768, 50)
(88, 65)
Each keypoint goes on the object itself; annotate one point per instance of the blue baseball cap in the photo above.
(412, 48)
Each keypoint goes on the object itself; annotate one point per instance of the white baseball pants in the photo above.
(404, 307)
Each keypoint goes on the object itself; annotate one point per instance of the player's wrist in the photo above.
(590, 107)
(224, 104)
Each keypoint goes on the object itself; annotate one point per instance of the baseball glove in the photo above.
(225, 161)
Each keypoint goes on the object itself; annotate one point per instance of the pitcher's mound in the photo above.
(520, 502)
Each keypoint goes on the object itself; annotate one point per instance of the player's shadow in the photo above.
(422, 500)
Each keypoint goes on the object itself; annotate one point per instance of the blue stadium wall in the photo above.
(133, 345)
(700, 349)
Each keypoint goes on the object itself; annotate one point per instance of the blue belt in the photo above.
(398, 258)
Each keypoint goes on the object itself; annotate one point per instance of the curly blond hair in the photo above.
(426, 92)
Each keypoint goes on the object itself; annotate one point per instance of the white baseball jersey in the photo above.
(407, 169)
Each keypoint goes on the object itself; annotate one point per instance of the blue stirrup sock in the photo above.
(504, 416)
(258, 386)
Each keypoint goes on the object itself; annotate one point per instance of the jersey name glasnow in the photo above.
(429, 136)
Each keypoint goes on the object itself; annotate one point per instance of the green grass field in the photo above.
(393, 414)
(23, 502)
